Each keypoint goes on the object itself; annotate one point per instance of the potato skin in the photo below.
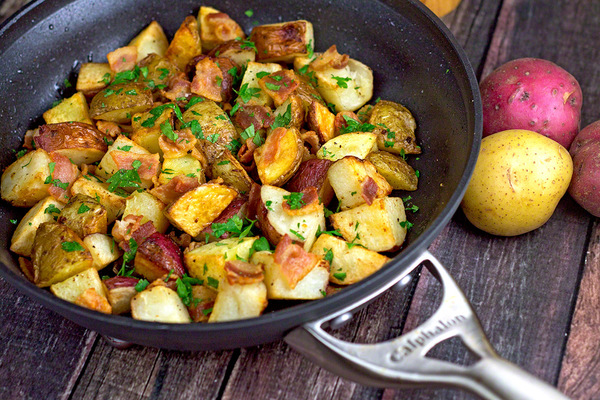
(80, 142)
(313, 172)
(395, 170)
(84, 215)
(117, 101)
(518, 180)
(395, 128)
(532, 94)
(585, 184)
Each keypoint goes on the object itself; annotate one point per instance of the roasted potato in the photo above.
(71, 288)
(236, 51)
(94, 187)
(378, 226)
(250, 92)
(186, 43)
(203, 299)
(217, 28)
(321, 120)
(23, 183)
(216, 125)
(235, 302)
(149, 208)
(312, 172)
(93, 77)
(228, 168)
(279, 157)
(84, 215)
(103, 248)
(158, 256)
(395, 128)
(159, 304)
(311, 287)
(108, 165)
(117, 103)
(395, 170)
(196, 209)
(283, 41)
(81, 143)
(349, 144)
(151, 39)
(186, 165)
(146, 128)
(45, 210)
(73, 109)
(348, 263)
(297, 111)
(356, 182)
(160, 70)
(207, 262)
(57, 254)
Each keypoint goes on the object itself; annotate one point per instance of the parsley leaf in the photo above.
(71, 246)
(246, 93)
(355, 126)
(250, 132)
(141, 285)
(340, 276)
(283, 120)
(294, 200)
(341, 81)
(83, 208)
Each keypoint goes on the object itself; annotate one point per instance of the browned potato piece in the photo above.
(93, 77)
(278, 159)
(395, 128)
(75, 108)
(147, 136)
(313, 173)
(321, 120)
(216, 125)
(235, 302)
(216, 28)
(185, 44)
(196, 209)
(58, 253)
(22, 182)
(160, 69)
(84, 215)
(234, 50)
(81, 143)
(203, 299)
(44, 211)
(283, 41)
(118, 103)
(151, 40)
(395, 170)
(297, 111)
(94, 187)
(227, 167)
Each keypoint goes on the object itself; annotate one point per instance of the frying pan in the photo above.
(416, 62)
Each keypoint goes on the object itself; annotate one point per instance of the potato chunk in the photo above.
(103, 248)
(159, 304)
(348, 263)
(23, 182)
(395, 170)
(216, 28)
(349, 144)
(376, 226)
(395, 128)
(74, 109)
(250, 91)
(186, 43)
(197, 208)
(149, 207)
(57, 254)
(279, 157)
(119, 102)
(150, 40)
(235, 302)
(44, 211)
(283, 41)
(81, 143)
(94, 187)
(216, 125)
(84, 215)
(93, 77)
(70, 289)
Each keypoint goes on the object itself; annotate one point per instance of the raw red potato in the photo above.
(532, 94)
(585, 184)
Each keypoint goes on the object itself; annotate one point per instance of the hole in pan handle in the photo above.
(402, 362)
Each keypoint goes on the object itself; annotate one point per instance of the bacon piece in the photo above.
(309, 204)
(122, 59)
(208, 80)
(183, 145)
(120, 281)
(122, 229)
(179, 87)
(246, 152)
(69, 135)
(176, 187)
(279, 85)
(330, 59)
(368, 190)
(150, 162)
(269, 153)
(170, 283)
(108, 128)
(143, 232)
(312, 139)
(64, 172)
(259, 116)
(243, 273)
(253, 201)
(295, 262)
(226, 66)
(182, 240)
(340, 122)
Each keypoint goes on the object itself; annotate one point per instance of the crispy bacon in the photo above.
(108, 128)
(312, 139)
(223, 28)
(122, 59)
(175, 188)
(143, 232)
(310, 203)
(69, 135)
(208, 80)
(246, 152)
(64, 172)
(340, 122)
(120, 281)
(270, 152)
(279, 85)
(150, 162)
(243, 273)
(259, 116)
(330, 59)
(225, 80)
(183, 145)
(368, 190)
(123, 228)
(295, 262)
(253, 201)
(179, 87)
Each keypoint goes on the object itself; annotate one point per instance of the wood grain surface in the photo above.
(537, 295)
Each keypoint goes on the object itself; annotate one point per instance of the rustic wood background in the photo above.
(537, 295)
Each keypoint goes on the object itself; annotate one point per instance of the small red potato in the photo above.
(532, 94)
(585, 184)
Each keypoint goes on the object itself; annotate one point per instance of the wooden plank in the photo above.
(580, 373)
(144, 372)
(36, 343)
(524, 286)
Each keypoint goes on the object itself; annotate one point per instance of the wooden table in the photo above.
(537, 295)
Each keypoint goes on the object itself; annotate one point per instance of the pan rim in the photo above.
(298, 314)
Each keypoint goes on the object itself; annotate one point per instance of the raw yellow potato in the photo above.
(348, 264)
(151, 40)
(149, 207)
(103, 248)
(44, 211)
(119, 102)
(94, 187)
(279, 157)
(186, 43)
(519, 178)
(351, 144)
(57, 254)
(22, 183)
(198, 208)
(207, 262)
(70, 289)
(235, 302)
(159, 304)
(311, 287)
(93, 77)
(75, 108)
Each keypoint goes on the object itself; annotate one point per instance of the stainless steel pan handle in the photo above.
(402, 362)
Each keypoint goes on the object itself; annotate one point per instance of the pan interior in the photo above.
(413, 60)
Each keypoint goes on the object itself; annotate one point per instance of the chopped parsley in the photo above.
(164, 73)
(141, 285)
(250, 133)
(262, 74)
(52, 209)
(13, 221)
(71, 246)
(341, 81)
(328, 256)
(125, 148)
(184, 288)
(193, 100)
(340, 276)
(298, 235)
(128, 257)
(268, 205)
(21, 153)
(406, 224)
(272, 86)
(294, 200)
(234, 225)
(125, 178)
(246, 93)
(414, 208)
(249, 13)
(82, 209)
(310, 51)
(247, 44)
(260, 244)
(167, 130)
(355, 126)
(283, 120)
(334, 232)
(212, 282)
(224, 162)
(56, 182)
